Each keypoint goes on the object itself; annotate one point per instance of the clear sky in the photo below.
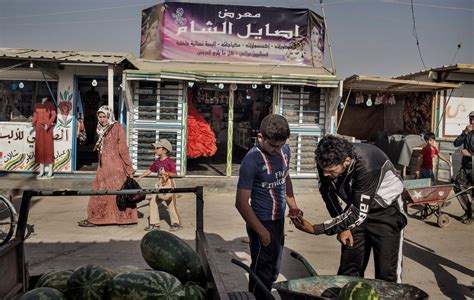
(369, 37)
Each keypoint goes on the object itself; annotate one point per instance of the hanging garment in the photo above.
(201, 138)
(44, 116)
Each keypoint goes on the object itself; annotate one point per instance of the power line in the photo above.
(358, 2)
(415, 34)
(76, 22)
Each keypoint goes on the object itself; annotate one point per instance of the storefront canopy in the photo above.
(110, 58)
(379, 84)
(243, 73)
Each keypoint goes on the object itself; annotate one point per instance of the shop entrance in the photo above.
(251, 103)
(92, 94)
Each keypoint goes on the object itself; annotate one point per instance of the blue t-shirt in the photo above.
(265, 175)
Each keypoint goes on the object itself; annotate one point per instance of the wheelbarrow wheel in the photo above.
(241, 296)
(443, 220)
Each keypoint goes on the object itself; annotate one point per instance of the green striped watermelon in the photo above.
(89, 282)
(193, 291)
(125, 268)
(145, 284)
(163, 251)
(55, 279)
(43, 293)
(358, 290)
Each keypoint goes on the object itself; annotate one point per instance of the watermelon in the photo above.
(358, 290)
(193, 291)
(145, 284)
(125, 268)
(43, 293)
(163, 251)
(55, 279)
(88, 282)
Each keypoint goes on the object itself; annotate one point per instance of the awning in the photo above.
(232, 73)
(379, 84)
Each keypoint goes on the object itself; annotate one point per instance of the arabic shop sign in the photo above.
(17, 147)
(205, 32)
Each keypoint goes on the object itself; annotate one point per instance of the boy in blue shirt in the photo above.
(264, 179)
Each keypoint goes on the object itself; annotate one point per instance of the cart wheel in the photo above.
(443, 220)
(241, 296)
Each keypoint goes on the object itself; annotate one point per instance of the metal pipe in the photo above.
(329, 38)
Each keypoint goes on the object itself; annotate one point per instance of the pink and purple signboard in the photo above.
(230, 33)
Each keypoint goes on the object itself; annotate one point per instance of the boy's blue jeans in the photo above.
(427, 173)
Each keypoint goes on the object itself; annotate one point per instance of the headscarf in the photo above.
(102, 130)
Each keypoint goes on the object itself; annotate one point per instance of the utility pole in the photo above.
(333, 67)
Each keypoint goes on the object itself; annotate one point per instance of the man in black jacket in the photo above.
(363, 177)
(464, 178)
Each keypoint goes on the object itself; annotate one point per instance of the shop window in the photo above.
(302, 105)
(157, 100)
(302, 148)
(18, 98)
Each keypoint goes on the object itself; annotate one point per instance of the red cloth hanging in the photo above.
(201, 138)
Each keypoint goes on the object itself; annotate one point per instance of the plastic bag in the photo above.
(129, 201)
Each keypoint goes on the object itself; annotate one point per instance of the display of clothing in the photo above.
(201, 138)
(43, 120)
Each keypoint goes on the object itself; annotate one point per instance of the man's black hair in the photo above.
(429, 135)
(332, 151)
(275, 128)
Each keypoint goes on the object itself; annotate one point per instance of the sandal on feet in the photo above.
(152, 227)
(176, 227)
(85, 223)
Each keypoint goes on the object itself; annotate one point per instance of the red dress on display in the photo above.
(201, 138)
(44, 114)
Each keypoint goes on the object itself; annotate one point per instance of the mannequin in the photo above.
(43, 120)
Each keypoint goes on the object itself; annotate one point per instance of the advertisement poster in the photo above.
(228, 33)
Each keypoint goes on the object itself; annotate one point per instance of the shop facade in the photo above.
(208, 74)
(64, 77)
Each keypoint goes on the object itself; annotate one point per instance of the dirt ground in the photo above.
(439, 261)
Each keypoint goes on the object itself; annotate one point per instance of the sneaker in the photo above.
(152, 227)
(176, 227)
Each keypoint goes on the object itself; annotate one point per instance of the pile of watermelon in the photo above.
(176, 273)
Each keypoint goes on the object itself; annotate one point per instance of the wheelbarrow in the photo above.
(329, 286)
(432, 197)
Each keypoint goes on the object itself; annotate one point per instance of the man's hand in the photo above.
(468, 129)
(465, 152)
(303, 225)
(345, 237)
(295, 213)
(265, 237)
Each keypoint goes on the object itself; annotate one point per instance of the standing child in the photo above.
(428, 152)
(166, 168)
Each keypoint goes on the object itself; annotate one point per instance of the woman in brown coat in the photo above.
(114, 167)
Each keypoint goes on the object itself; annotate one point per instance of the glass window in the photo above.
(18, 98)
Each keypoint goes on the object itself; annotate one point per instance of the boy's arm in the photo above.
(441, 156)
(146, 173)
(247, 213)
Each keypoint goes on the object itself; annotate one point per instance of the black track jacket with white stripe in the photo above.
(371, 188)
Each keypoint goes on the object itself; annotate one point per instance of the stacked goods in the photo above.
(145, 284)
(358, 290)
(55, 279)
(177, 274)
(43, 293)
(193, 291)
(89, 282)
(165, 252)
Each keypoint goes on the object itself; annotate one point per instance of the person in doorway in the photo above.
(464, 176)
(165, 167)
(363, 177)
(43, 120)
(428, 152)
(114, 167)
(264, 179)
